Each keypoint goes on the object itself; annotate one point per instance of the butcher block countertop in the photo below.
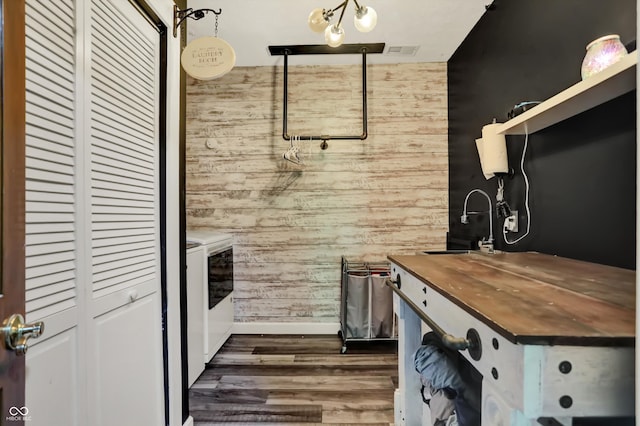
(534, 298)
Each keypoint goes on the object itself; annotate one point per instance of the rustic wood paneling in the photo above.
(358, 199)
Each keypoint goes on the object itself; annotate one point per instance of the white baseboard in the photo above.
(285, 328)
(188, 422)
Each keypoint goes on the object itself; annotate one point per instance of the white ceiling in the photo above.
(437, 27)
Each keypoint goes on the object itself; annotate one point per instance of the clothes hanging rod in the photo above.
(323, 49)
(362, 49)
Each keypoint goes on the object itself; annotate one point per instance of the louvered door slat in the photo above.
(106, 226)
(120, 70)
(48, 123)
(43, 175)
(113, 76)
(47, 207)
(55, 116)
(54, 19)
(125, 278)
(114, 256)
(123, 202)
(117, 43)
(63, 9)
(115, 267)
(36, 153)
(50, 237)
(110, 193)
(131, 247)
(53, 188)
(122, 155)
(121, 149)
(50, 166)
(61, 68)
(31, 218)
(50, 260)
(127, 189)
(40, 86)
(139, 230)
(105, 132)
(43, 270)
(106, 87)
(41, 137)
(43, 249)
(121, 172)
(63, 280)
(138, 57)
(114, 285)
(39, 23)
(54, 308)
(115, 20)
(121, 113)
(41, 228)
(117, 244)
(106, 181)
(51, 104)
(110, 27)
(52, 299)
(112, 96)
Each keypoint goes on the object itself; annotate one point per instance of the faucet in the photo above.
(485, 245)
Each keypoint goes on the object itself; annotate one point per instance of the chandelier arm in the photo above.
(180, 15)
(344, 7)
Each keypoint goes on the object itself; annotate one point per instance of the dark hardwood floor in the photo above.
(297, 379)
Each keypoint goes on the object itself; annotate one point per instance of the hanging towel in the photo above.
(447, 370)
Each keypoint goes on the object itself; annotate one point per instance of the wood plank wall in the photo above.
(358, 199)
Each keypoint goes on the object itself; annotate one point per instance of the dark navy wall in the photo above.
(582, 171)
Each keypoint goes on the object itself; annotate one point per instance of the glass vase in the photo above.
(601, 53)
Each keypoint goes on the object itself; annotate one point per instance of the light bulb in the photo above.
(316, 20)
(366, 19)
(334, 35)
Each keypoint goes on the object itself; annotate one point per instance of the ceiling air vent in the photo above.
(402, 50)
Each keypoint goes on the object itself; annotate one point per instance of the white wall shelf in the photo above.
(608, 84)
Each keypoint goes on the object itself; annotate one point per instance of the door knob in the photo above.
(16, 333)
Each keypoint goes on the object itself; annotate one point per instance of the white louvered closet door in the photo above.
(127, 388)
(53, 387)
(93, 252)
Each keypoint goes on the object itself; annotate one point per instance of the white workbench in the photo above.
(556, 335)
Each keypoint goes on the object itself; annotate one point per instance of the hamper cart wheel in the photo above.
(340, 334)
(343, 350)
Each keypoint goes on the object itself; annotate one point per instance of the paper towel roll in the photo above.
(480, 147)
(493, 151)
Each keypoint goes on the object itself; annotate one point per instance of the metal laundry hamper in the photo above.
(366, 311)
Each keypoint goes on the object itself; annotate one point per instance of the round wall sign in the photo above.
(206, 58)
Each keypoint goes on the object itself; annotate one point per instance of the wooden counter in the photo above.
(533, 298)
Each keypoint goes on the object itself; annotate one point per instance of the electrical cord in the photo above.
(526, 197)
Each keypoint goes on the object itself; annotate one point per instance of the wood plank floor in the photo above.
(296, 380)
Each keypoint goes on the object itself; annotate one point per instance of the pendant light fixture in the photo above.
(365, 20)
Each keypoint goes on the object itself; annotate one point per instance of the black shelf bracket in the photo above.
(180, 15)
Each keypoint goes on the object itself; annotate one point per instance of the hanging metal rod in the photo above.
(180, 15)
(322, 49)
